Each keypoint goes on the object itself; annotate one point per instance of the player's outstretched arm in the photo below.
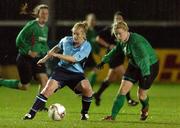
(68, 58)
(49, 54)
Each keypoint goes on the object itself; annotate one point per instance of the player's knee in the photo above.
(87, 90)
(124, 90)
(142, 96)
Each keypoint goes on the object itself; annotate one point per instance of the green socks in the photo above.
(145, 103)
(118, 103)
(92, 78)
(9, 83)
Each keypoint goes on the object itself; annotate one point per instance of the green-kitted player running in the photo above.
(143, 67)
(32, 46)
(91, 37)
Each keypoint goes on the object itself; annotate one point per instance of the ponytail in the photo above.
(24, 9)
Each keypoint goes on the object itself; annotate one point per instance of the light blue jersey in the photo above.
(79, 53)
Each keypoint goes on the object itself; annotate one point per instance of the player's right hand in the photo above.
(100, 65)
(111, 46)
(32, 54)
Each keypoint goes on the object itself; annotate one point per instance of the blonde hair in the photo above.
(117, 25)
(25, 9)
(81, 24)
(38, 8)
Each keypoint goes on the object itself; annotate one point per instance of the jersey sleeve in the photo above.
(141, 57)
(107, 57)
(83, 53)
(23, 39)
(60, 44)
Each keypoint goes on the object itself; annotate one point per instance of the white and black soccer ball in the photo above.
(56, 112)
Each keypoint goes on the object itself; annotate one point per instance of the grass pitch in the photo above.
(164, 109)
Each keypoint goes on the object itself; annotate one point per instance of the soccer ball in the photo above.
(56, 112)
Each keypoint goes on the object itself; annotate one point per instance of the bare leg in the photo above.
(41, 99)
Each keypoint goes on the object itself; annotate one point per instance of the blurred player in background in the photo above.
(32, 46)
(70, 70)
(143, 67)
(91, 37)
(117, 70)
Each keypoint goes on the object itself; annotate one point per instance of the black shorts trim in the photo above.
(66, 77)
(129, 79)
(134, 75)
(28, 68)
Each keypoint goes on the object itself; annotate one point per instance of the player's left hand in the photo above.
(100, 65)
(41, 61)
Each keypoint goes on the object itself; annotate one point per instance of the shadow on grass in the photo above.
(125, 113)
(138, 122)
(133, 122)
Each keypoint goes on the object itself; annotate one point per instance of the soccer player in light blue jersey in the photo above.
(69, 70)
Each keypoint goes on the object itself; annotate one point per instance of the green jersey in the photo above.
(33, 37)
(91, 37)
(139, 52)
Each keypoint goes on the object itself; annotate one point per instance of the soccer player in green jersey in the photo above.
(116, 67)
(32, 46)
(143, 67)
(91, 37)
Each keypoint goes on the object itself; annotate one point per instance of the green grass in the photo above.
(164, 109)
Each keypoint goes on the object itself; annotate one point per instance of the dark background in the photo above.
(135, 11)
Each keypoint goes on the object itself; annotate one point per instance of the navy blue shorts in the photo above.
(66, 77)
(134, 75)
